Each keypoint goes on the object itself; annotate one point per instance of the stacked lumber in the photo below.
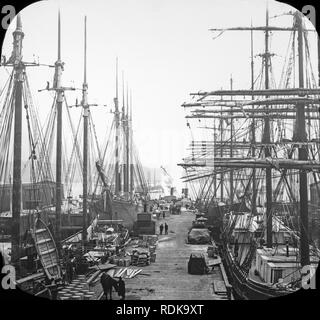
(125, 273)
(151, 239)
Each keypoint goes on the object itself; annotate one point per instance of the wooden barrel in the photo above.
(66, 296)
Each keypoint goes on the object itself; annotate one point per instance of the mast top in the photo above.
(85, 51)
(123, 100)
(18, 35)
(130, 112)
(19, 24)
(59, 36)
(117, 89)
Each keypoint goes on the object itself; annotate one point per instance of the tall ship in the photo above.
(257, 178)
(121, 180)
(41, 218)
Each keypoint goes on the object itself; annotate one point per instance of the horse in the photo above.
(107, 283)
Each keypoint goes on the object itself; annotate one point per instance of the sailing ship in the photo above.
(125, 194)
(38, 231)
(265, 155)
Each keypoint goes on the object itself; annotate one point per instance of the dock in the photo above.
(167, 278)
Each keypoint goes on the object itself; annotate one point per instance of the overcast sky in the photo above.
(165, 50)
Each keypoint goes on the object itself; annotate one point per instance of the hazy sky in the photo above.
(165, 50)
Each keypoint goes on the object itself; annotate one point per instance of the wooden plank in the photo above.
(224, 275)
(43, 241)
(30, 278)
(93, 276)
(219, 287)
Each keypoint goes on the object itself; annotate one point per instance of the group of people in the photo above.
(108, 283)
(166, 227)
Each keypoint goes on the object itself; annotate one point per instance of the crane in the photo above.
(108, 201)
(169, 181)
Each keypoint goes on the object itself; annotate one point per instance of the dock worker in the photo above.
(161, 228)
(121, 289)
(166, 228)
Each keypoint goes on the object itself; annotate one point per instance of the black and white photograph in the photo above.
(159, 150)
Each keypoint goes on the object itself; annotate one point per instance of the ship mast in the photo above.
(60, 96)
(124, 129)
(221, 154)
(57, 86)
(253, 136)
(126, 187)
(303, 154)
(19, 69)
(231, 148)
(266, 139)
(116, 105)
(85, 107)
(131, 149)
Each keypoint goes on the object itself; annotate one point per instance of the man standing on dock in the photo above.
(161, 228)
(166, 228)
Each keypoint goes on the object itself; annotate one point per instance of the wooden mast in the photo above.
(267, 140)
(303, 153)
(253, 136)
(19, 69)
(215, 174)
(116, 105)
(126, 189)
(85, 139)
(231, 149)
(123, 120)
(60, 95)
(221, 154)
(131, 150)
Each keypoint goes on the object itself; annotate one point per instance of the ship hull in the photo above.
(245, 288)
(125, 211)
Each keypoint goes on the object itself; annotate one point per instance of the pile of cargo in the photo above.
(212, 251)
(144, 224)
(122, 261)
(151, 240)
(152, 250)
(140, 258)
(199, 236)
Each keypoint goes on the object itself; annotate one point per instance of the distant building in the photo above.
(34, 195)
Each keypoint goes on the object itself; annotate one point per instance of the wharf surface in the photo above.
(167, 278)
